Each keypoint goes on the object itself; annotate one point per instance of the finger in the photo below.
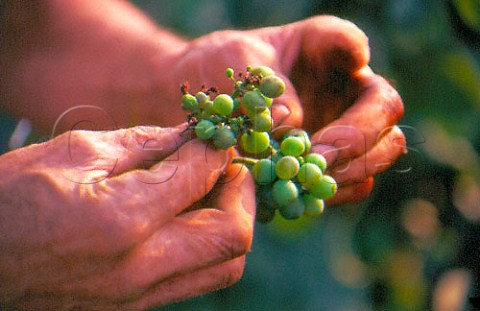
(352, 193)
(287, 111)
(359, 128)
(326, 42)
(191, 285)
(169, 187)
(143, 146)
(201, 238)
(378, 159)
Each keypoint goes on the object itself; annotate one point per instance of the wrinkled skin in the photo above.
(96, 228)
(124, 241)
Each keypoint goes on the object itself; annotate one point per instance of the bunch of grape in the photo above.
(289, 178)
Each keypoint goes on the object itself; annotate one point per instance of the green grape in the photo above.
(272, 86)
(284, 192)
(205, 129)
(313, 206)
(254, 102)
(264, 71)
(292, 146)
(268, 101)
(202, 98)
(223, 104)
(223, 138)
(309, 175)
(264, 215)
(317, 159)
(303, 135)
(189, 103)
(325, 188)
(262, 122)
(255, 142)
(293, 210)
(229, 72)
(301, 160)
(265, 204)
(287, 167)
(264, 171)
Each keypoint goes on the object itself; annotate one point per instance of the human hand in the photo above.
(330, 89)
(125, 219)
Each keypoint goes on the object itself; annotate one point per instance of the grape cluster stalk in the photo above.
(289, 177)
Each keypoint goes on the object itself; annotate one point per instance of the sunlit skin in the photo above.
(122, 241)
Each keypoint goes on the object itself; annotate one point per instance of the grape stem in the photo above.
(245, 160)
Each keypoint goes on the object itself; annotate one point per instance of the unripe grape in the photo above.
(325, 188)
(264, 71)
(268, 101)
(229, 72)
(223, 138)
(272, 86)
(205, 129)
(255, 142)
(262, 122)
(317, 159)
(284, 192)
(202, 98)
(264, 215)
(287, 167)
(254, 102)
(189, 103)
(223, 104)
(292, 146)
(266, 206)
(303, 135)
(313, 206)
(264, 171)
(293, 210)
(309, 175)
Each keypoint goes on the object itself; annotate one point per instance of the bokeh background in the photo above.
(415, 243)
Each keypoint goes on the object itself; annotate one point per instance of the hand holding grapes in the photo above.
(350, 111)
(120, 220)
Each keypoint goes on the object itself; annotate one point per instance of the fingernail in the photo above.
(328, 151)
(279, 113)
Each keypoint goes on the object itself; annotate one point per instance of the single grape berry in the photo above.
(313, 205)
(223, 104)
(284, 192)
(272, 86)
(229, 72)
(263, 71)
(223, 138)
(292, 146)
(293, 210)
(287, 167)
(255, 142)
(302, 135)
(202, 98)
(262, 122)
(317, 159)
(254, 102)
(264, 171)
(325, 188)
(309, 175)
(189, 103)
(205, 129)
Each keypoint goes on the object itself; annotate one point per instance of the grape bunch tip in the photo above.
(289, 177)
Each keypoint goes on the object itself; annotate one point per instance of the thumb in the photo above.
(287, 112)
